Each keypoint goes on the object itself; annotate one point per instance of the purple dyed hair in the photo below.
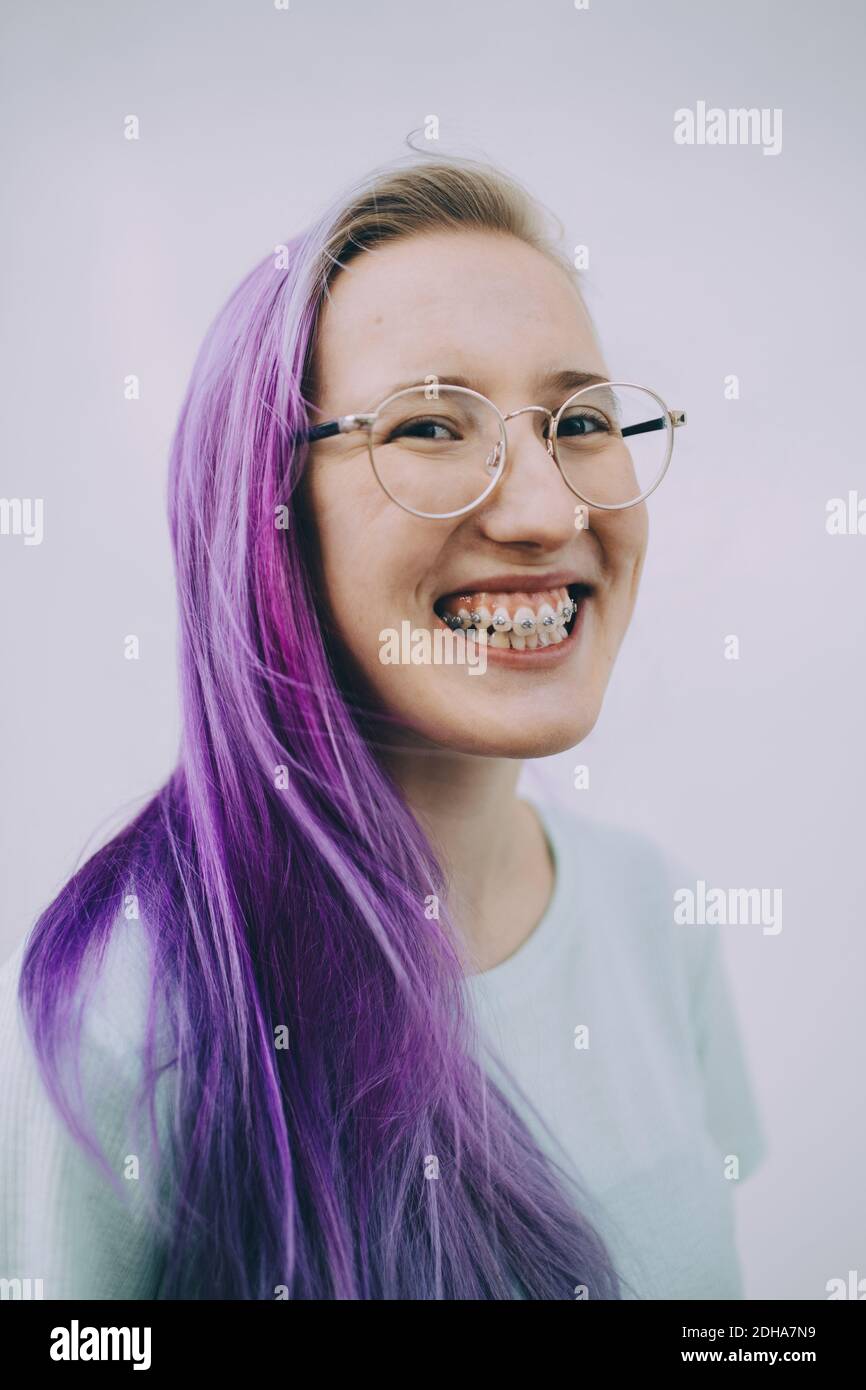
(282, 877)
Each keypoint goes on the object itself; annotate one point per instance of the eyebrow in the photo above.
(564, 380)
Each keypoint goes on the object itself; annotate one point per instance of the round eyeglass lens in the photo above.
(437, 450)
(613, 443)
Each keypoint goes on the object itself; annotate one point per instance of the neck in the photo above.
(489, 842)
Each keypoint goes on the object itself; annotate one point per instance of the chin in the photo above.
(545, 734)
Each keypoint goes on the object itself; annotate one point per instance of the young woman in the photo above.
(339, 1015)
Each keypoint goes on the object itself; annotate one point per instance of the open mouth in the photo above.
(521, 621)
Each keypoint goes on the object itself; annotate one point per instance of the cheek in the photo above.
(347, 517)
(622, 538)
(372, 558)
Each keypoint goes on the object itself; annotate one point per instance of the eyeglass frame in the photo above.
(346, 424)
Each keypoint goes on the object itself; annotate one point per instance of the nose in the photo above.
(531, 500)
(495, 455)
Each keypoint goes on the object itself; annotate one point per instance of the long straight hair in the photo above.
(333, 1133)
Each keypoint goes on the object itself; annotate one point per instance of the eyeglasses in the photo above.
(439, 451)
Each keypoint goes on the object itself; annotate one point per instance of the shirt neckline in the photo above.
(515, 971)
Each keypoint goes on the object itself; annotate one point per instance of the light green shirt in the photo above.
(644, 1113)
(60, 1221)
(619, 1026)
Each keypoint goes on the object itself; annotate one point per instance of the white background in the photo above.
(705, 261)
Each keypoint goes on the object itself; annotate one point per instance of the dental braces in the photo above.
(527, 624)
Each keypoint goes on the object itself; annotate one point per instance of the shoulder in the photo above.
(627, 873)
(628, 889)
(613, 870)
(76, 1198)
(106, 1023)
(615, 897)
(111, 997)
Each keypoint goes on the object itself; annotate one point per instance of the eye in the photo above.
(424, 427)
(582, 422)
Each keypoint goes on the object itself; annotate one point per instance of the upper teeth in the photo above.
(539, 617)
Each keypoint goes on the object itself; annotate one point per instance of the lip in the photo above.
(534, 582)
(539, 658)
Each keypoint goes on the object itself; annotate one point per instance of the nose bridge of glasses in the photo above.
(542, 410)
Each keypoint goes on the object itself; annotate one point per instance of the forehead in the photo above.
(478, 303)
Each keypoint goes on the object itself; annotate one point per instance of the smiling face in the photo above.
(502, 317)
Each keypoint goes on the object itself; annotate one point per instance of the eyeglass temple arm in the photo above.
(341, 426)
(674, 417)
